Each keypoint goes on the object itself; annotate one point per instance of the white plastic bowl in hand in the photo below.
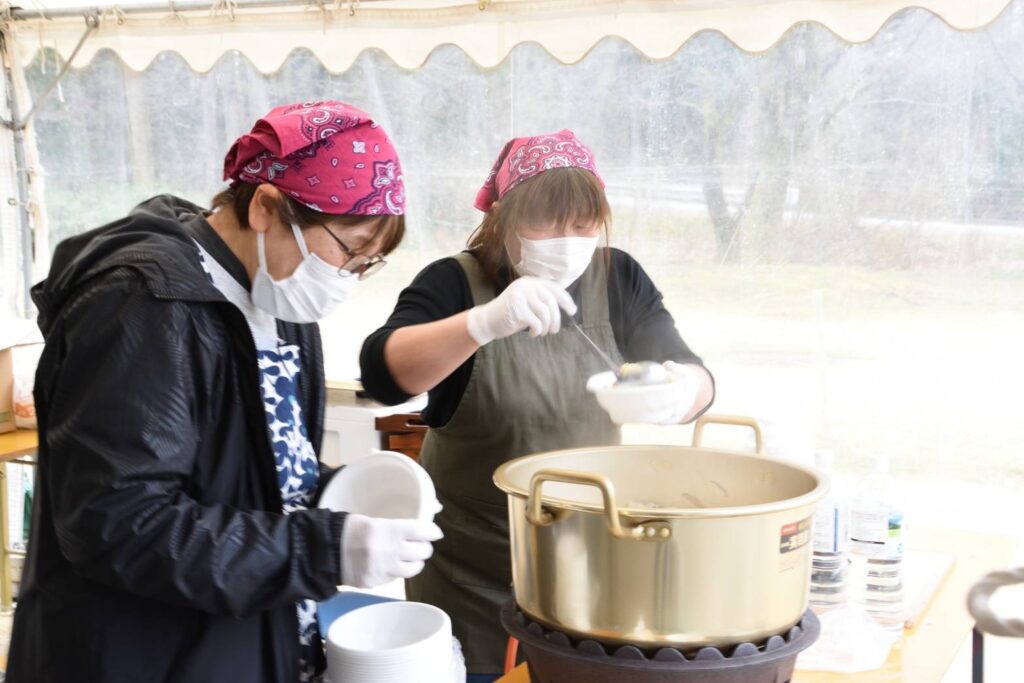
(391, 642)
(660, 403)
(383, 484)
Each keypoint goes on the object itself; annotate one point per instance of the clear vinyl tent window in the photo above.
(835, 227)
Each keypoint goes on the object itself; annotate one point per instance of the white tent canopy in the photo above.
(266, 32)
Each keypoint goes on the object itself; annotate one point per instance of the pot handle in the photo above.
(538, 516)
(737, 420)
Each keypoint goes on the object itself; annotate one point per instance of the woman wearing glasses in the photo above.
(181, 403)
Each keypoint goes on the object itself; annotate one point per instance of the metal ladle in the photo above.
(644, 372)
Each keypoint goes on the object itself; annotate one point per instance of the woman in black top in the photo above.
(496, 393)
(175, 533)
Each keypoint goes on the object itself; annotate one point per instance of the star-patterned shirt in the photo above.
(297, 466)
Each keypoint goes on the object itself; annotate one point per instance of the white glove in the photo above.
(375, 551)
(687, 383)
(529, 302)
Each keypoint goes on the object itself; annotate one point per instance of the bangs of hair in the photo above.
(390, 230)
(560, 196)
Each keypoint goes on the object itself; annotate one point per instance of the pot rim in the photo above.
(501, 480)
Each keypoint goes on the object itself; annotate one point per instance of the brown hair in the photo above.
(561, 195)
(239, 195)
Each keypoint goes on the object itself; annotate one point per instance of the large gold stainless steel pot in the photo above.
(662, 545)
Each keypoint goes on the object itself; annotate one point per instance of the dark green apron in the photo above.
(525, 395)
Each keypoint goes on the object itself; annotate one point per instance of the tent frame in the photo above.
(17, 125)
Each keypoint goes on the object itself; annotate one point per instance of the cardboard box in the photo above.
(6, 390)
(14, 333)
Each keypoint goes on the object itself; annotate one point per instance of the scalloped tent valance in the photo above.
(408, 31)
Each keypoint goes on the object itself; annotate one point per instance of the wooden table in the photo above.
(928, 650)
(15, 446)
(19, 443)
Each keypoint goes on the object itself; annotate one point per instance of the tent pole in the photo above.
(25, 219)
(17, 126)
(19, 14)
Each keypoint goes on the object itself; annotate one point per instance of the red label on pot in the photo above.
(795, 536)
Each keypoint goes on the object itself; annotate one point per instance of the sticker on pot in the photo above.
(793, 537)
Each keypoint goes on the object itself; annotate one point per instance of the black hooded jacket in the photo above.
(159, 551)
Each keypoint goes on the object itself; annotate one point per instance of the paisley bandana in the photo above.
(327, 155)
(523, 158)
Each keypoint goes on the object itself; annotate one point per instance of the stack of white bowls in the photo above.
(391, 642)
(383, 484)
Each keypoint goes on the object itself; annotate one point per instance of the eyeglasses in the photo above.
(357, 264)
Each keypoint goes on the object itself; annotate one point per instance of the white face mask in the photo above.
(309, 294)
(561, 259)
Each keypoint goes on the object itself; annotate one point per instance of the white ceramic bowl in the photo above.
(383, 484)
(392, 642)
(650, 403)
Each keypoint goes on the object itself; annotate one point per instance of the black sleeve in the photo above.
(120, 418)
(644, 329)
(438, 292)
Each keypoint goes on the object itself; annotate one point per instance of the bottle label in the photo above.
(830, 530)
(876, 534)
(894, 543)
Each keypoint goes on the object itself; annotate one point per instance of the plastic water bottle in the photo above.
(876, 544)
(830, 566)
